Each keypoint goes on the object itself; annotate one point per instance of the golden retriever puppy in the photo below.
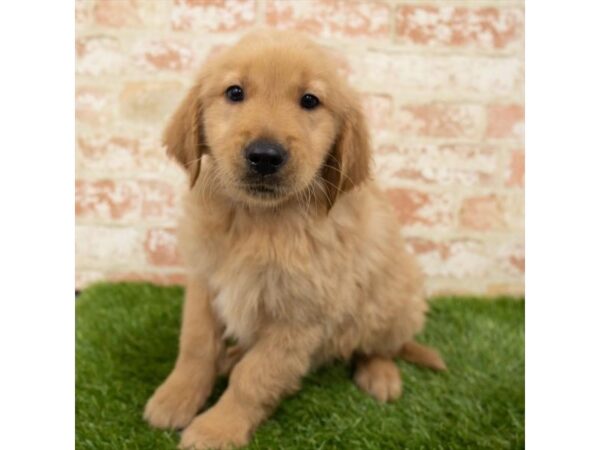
(291, 248)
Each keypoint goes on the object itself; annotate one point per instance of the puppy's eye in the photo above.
(235, 93)
(309, 101)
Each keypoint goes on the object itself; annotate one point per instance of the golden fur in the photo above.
(315, 271)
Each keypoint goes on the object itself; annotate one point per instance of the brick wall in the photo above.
(442, 83)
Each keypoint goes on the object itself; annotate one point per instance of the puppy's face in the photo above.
(268, 121)
(271, 113)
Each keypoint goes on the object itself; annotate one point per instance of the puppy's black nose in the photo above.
(265, 157)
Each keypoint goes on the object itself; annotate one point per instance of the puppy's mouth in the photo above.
(263, 190)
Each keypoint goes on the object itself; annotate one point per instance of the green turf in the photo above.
(127, 343)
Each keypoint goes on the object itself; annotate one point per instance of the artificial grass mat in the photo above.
(127, 343)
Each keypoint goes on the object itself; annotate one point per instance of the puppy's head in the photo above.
(277, 121)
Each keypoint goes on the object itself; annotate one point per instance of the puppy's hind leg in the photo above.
(378, 376)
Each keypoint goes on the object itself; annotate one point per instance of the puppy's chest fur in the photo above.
(286, 267)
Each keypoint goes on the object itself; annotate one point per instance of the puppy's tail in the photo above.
(422, 355)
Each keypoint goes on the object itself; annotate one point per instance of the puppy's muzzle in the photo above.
(265, 157)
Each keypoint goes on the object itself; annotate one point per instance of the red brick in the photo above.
(378, 111)
(94, 104)
(441, 120)
(420, 246)
(510, 258)
(160, 245)
(482, 213)
(117, 13)
(331, 18)
(106, 246)
(515, 174)
(506, 122)
(455, 26)
(134, 14)
(83, 12)
(123, 155)
(421, 208)
(514, 210)
(213, 15)
(124, 200)
(162, 54)
(443, 164)
(83, 278)
(150, 101)
(518, 261)
(455, 258)
(450, 76)
(116, 154)
(99, 55)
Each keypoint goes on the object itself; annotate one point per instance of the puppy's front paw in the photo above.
(212, 430)
(177, 401)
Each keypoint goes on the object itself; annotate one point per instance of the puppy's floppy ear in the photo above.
(349, 162)
(183, 135)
